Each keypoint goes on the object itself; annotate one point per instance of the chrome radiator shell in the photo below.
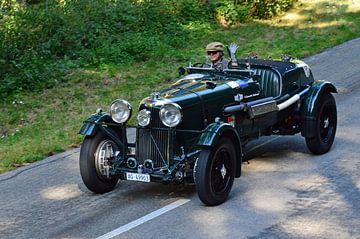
(155, 143)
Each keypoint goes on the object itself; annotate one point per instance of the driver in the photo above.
(215, 52)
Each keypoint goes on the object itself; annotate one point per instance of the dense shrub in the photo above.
(270, 8)
(41, 40)
(233, 11)
(191, 10)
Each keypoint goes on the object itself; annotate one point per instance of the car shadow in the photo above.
(274, 147)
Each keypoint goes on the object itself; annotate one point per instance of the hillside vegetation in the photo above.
(42, 40)
(60, 60)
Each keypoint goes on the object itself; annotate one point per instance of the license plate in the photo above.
(138, 177)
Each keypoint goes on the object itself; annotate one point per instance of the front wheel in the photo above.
(325, 126)
(96, 155)
(214, 172)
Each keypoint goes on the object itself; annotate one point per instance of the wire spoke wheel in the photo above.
(96, 155)
(104, 155)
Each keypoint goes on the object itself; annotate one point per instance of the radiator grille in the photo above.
(154, 144)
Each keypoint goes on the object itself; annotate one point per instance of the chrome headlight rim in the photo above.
(145, 113)
(167, 107)
(125, 115)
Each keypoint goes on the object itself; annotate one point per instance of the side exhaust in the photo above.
(266, 105)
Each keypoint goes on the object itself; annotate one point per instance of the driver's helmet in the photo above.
(215, 46)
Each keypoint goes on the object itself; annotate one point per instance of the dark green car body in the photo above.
(240, 104)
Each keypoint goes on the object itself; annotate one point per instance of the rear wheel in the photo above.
(214, 172)
(96, 155)
(325, 126)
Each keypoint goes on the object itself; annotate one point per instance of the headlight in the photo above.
(120, 111)
(143, 117)
(170, 114)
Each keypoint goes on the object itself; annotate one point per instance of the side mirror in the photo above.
(181, 71)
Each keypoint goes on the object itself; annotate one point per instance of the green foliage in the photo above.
(41, 41)
(190, 10)
(264, 9)
(234, 11)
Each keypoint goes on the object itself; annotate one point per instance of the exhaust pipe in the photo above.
(292, 100)
(266, 105)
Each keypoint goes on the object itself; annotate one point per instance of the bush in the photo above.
(191, 10)
(233, 11)
(269, 8)
(41, 40)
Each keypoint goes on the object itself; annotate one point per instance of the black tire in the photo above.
(91, 170)
(325, 126)
(213, 183)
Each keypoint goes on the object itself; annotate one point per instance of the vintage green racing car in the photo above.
(194, 131)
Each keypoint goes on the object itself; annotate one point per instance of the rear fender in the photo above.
(310, 105)
(212, 135)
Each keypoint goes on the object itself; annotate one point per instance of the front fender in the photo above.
(310, 107)
(213, 132)
(217, 130)
(91, 125)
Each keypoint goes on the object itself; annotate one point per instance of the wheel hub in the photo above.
(223, 171)
(103, 156)
(326, 123)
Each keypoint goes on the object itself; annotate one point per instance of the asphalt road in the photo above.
(285, 192)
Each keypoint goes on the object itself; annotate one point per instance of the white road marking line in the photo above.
(144, 219)
(160, 211)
